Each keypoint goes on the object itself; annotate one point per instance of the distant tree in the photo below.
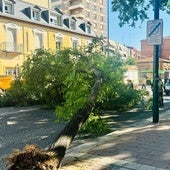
(131, 11)
(130, 61)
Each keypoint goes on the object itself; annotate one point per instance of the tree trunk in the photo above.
(32, 158)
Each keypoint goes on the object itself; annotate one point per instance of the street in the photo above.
(32, 125)
(25, 125)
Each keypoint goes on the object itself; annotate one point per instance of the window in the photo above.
(101, 10)
(11, 44)
(59, 39)
(11, 29)
(72, 24)
(95, 25)
(36, 15)
(74, 43)
(9, 8)
(94, 16)
(101, 18)
(59, 20)
(58, 45)
(38, 38)
(38, 41)
(53, 20)
(88, 29)
(56, 20)
(10, 71)
(94, 7)
(87, 14)
(101, 27)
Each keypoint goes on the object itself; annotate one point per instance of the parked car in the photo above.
(167, 87)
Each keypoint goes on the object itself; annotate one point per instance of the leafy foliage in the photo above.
(45, 73)
(130, 11)
(113, 94)
(16, 95)
(130, 61)
(64, 80)
(95, 126)
(80, 80)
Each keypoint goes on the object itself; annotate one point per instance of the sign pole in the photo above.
(155, 108)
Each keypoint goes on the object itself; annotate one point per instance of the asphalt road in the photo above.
(25, 125)
(33, 125)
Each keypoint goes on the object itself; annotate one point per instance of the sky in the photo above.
(132, 36)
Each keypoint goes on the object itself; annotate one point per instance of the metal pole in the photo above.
(155, 108)
(108, 27)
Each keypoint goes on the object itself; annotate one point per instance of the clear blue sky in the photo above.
(132, 36)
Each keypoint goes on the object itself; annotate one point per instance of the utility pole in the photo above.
(155, 108)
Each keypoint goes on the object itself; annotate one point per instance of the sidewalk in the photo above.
(141, 146)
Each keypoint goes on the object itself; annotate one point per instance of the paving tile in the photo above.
(146, 161)
(120, 163)
(145, 167)
(146, 146)
(161, 164)
(132, 165)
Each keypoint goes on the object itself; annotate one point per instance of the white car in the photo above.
(167, 87)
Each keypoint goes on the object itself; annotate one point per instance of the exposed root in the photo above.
(32, 158)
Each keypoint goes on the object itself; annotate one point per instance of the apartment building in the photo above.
(25, 27)
(93, 11)
(146, 60)
(125, 51)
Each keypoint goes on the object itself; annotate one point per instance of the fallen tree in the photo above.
(71, 80)
(32, 158)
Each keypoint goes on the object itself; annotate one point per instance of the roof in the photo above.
(21, 12)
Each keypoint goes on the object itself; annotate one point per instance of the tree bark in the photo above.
(51, 159)
(65, 138)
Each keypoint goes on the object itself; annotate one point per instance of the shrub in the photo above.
(95, 126)
(65, 79)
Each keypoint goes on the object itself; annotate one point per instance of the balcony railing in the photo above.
(11, 47)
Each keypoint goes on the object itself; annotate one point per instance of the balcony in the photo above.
(77, 13)
(11, 47)
(76, 5)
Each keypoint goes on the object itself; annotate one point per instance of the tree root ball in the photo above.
(31, 158)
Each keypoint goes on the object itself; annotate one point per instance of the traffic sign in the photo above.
(155, 32)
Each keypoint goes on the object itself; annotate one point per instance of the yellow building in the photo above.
(42, 3)
(25, 27)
